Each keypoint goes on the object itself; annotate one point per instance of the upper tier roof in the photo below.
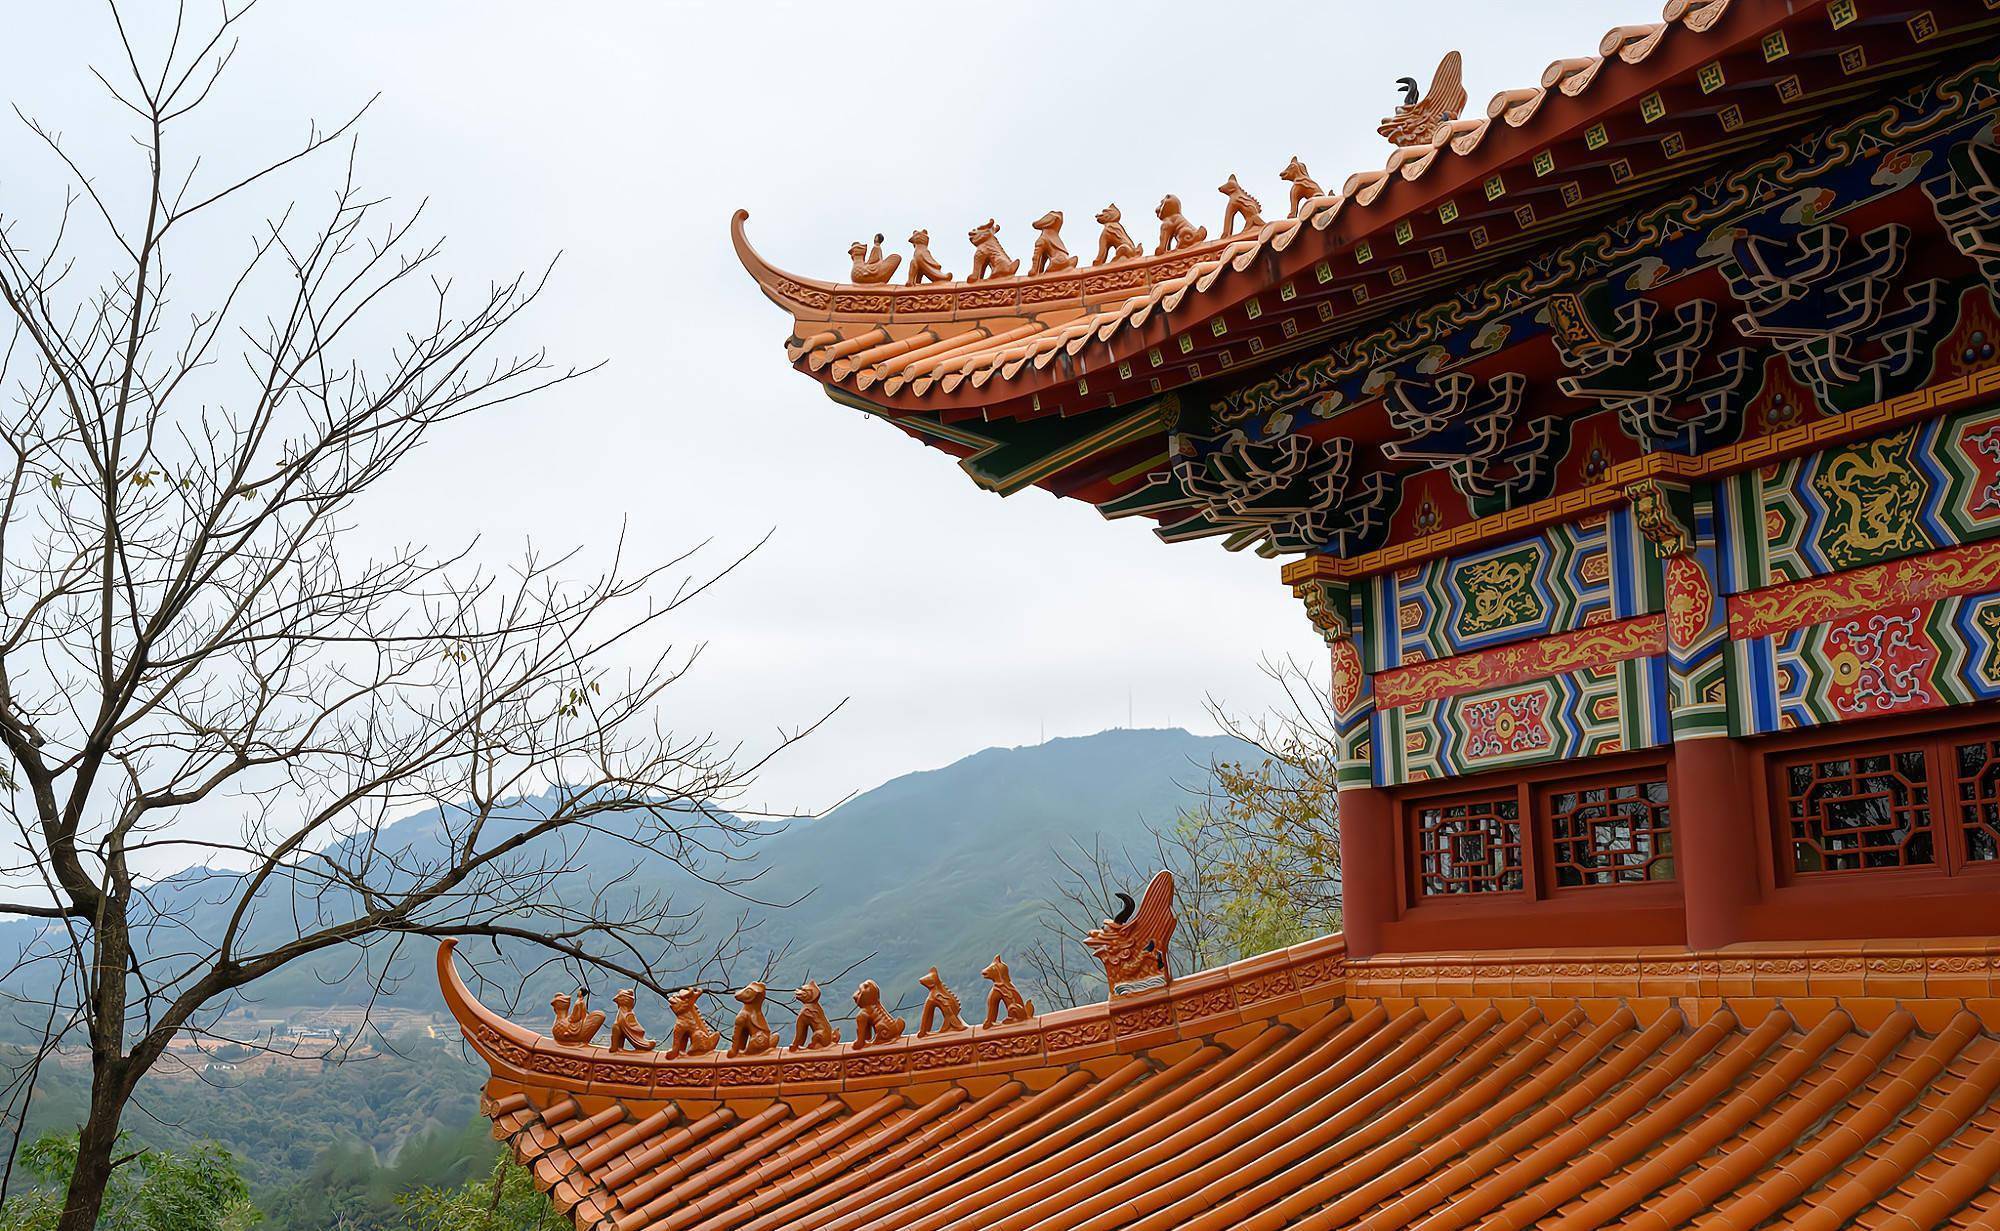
(966, 342)
(1125, 383)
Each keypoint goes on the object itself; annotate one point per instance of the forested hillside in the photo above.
(942, 867)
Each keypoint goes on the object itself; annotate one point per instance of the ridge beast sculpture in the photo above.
(872, 1023)
(989, 259)
(940, 1001)
(922, 264)
(871, 268)
(1241, 208)
(1304, 186)
(625, 1030)
(1004, 996)
(1241, 214)
(752, 1034)
(1416, 122)
(814, 1030)
(576, 1024)
(1114, 242)
(1133, 946)
(1051, 255)
(1175, 230)
(692, 1036)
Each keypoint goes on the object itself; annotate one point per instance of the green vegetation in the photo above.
(198, 1189)
(506, 1200)
(946, 866)
(1269, 830)
(319, 1144)
(202, 1189)
(348, 1188)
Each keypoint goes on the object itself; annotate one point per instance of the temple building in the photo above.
(1633, 440)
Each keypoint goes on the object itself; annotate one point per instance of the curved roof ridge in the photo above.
(1820, 1084)
(1121, 293)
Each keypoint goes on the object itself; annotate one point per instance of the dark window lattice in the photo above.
(1859, 813)
(1611, 835)
(1979, 799)
(1471, 847)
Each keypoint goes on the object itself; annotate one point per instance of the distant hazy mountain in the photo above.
(946, 866)
(949, 867)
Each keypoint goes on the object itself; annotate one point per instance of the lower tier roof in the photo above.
(1806, 1087)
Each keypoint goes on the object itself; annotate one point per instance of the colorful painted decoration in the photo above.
(1668, 381)
(1917, 489)
(1590, 711)
(1571, 576)
(1967, 199)
(1836, 305)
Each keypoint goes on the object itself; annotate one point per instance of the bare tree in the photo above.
(187, 631)
(1274, 816)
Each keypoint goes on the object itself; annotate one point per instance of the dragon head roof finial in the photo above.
(1416, 122)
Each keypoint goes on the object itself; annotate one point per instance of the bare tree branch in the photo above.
(188, 632)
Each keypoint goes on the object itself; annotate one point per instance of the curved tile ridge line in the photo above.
(1197, 1006)
(1128, 288)
(1629, 44)
(1194, 1006)
(812, 299)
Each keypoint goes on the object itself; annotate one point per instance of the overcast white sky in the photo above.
(624, 134)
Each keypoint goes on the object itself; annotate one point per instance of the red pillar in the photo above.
(1367, 868)
(1715, 841)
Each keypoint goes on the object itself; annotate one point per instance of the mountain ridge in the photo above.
(945, 866)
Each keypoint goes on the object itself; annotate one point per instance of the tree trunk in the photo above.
(96, 1143)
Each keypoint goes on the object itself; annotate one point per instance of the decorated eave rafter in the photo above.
(1267, 380)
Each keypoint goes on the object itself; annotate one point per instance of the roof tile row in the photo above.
(1366, 1114)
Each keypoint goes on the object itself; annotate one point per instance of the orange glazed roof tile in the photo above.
(1808, 1086)
(941, 337)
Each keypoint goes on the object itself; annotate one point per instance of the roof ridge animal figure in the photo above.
(692, 1036)
(625, 1031)
(922, 264)
(1241, 207)
(989, 259)
(870, 266)
(814, 1030)
(751, 1035)
(1417, 121)
(1051, 256)
(1004, 996)
(576, 1024)
(942, 1002)
(872, 1023)
(1175, 230)
(1304, 186)
(1114, 242)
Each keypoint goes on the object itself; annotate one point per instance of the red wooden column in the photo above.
(1368, 875)
(1368, 872)
(1715, 841)
(1715, 848)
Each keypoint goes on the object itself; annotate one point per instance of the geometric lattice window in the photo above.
(1469, 847)
(1979, 799)
(1856, 813)
(1611, 835)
